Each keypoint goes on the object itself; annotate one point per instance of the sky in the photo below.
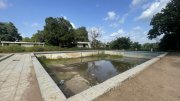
(113, 18)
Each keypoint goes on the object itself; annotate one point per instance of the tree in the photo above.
(149, 46)
(167, 23)
(167, 42)
(121, 43)
(59, 32)
(135, 46)
(94, 34)
(8, 32)
(26, 39)
(81, 34)
(38, 37)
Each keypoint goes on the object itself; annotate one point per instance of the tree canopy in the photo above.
(59, 32)
(167, 23)
(38, 37)
(8, 32)
(81, 34)
(121, 43)
(135, 46)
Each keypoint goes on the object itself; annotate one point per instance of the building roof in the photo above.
(83, 42)
(10, 42)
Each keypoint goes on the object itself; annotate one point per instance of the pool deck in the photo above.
(17, 79)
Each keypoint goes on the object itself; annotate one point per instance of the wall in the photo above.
(77, 54)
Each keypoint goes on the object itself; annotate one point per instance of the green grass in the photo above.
(17, 48)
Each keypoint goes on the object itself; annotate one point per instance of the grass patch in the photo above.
(18, 48)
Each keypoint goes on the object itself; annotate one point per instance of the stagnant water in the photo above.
(74, 77)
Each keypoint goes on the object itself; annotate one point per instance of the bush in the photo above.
(18, 48)
(12, 48)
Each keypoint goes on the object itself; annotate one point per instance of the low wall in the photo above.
(68, 54)
(77, 54)
(138, 54)
(48, 88)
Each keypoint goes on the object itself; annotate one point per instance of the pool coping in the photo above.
(50, 91)
(5, 56)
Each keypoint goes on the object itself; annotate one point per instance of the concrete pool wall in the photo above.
(77, 54)
(50, 90)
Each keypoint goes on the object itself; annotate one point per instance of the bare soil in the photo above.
(32, 93)
(159, 82)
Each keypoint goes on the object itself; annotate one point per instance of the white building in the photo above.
(25, 44)
(84, 44)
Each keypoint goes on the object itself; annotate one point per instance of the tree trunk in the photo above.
(60, 45)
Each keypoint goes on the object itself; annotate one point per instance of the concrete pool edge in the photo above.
(5, 57)
(50, 90)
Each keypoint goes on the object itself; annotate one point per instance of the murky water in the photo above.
(76, 75)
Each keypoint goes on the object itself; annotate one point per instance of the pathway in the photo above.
(17, 79)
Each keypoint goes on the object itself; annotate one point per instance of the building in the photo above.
(84, 44)
(25, 44)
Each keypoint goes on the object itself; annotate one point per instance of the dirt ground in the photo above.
(32, 93)
(160, 82)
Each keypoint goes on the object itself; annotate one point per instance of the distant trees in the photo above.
(26, 39)
(150, 46)
(121, 43)
(8, 32)
(125, 43)
(135, 46)
(167, 23)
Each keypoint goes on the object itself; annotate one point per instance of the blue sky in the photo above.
(114, 18)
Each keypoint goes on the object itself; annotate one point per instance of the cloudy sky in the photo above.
(115, 18)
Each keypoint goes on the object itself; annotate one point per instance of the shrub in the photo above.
(12, 48)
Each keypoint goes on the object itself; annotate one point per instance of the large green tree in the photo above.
(59, 32)
(167, 23)
(81, 34)
(8, 32)
(121, 43)
(38, 37)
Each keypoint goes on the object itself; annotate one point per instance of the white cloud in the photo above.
(146, 5)
(111, 15)
(136, 3)
(114, 19)
(153, 9)
(137, 34)
(35, 24)
(118, 33)
(122, 20)
(73, 25)
(137, 28)
(3, 4)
